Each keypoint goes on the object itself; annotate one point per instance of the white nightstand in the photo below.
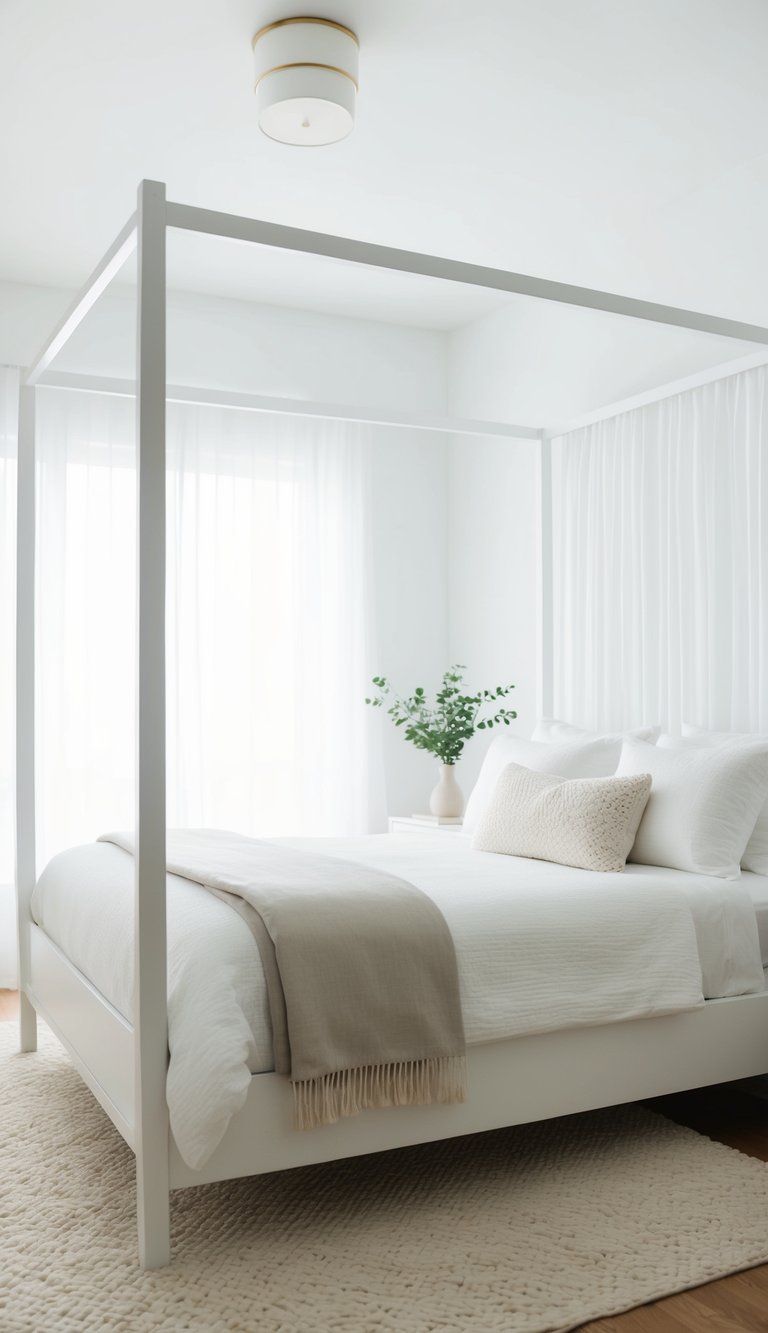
(410, 824)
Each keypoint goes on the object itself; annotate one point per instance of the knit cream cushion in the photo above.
(586, 822)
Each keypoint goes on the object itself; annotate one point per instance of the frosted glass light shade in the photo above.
(306, 80)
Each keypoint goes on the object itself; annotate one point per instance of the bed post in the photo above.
(150, 991)
(25, 704)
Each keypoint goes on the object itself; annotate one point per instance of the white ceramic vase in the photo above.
(446, 800)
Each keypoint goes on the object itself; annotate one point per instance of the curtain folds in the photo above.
(660, 553)
(268, 633)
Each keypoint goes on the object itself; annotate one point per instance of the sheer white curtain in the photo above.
(268, 622)
(660, 523)
(9, 404)
(86, 487)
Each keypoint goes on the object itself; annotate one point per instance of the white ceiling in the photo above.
(620, 144)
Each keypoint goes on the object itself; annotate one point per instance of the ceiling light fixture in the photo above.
(306, 80)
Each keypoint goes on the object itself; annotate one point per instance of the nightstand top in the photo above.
(423, 824)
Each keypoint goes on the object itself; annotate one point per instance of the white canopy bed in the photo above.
(515, 1075)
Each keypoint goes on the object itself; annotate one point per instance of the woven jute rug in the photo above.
(518, 1231)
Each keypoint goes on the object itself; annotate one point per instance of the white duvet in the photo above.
(539, 947)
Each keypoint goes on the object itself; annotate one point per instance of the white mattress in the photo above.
(539, 946)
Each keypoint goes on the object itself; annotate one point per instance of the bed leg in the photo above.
(27, 1025)
(154, 1218)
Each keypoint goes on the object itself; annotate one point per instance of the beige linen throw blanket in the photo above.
(360, 967)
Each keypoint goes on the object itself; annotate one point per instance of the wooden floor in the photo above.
(733, 1115)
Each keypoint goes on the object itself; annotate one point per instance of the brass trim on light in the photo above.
(307, 64)
(326, 23)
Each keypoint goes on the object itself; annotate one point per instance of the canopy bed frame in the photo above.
(125, 1064)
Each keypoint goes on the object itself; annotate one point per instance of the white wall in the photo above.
(411, 471)
(499, 371)
(538, 363)
(221, 343)
(492, 575)
(27, 316)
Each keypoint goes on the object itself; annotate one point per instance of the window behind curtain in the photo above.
(268, 621)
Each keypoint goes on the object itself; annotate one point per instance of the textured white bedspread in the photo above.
(539, 947)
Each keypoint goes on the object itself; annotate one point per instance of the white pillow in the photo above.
(549, 729)
(703, 804)
(585, 822)
(756, 852)
(668, 741)
(700, 735)
(589, 759)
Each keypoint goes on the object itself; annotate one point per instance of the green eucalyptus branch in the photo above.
(443, 728)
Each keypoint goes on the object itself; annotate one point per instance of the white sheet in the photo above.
(539, 947)
(757, 888)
